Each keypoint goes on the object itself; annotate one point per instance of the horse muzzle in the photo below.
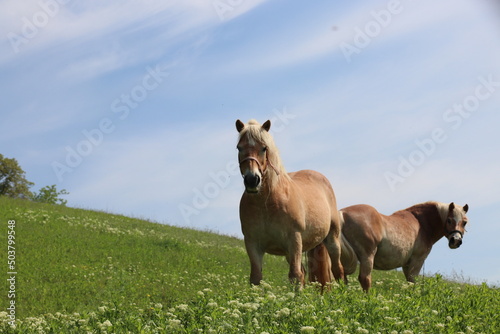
(252, 183)
(455, 239)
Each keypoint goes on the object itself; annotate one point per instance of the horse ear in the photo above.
(267, 125)
(466, 207)
(239, 125)
(452, 206)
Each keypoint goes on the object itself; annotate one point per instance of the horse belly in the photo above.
(278, 243)
(392, 255)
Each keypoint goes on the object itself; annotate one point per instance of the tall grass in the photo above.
(85, 271)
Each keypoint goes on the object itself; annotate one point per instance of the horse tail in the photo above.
(348, 257)
(319, 265)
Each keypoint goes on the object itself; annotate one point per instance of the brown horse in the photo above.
(285, 213)
(403, 239)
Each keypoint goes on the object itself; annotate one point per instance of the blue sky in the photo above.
(130, 105)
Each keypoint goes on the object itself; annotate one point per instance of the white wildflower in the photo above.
(251, 306)
(174, 323)
(271, 296)
(265, 285)
(107, 323)
(283, 312)
(183, 307)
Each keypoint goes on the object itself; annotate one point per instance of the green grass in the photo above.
(82, 271)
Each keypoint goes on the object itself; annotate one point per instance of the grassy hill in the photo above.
(81, 271)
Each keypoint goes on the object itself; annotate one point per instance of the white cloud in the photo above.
(94, 65)
(308, 43)
(84, 22)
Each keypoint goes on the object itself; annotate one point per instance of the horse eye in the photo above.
(465, 222)
(264, 149)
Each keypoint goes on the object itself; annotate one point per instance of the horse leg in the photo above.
(332, 243)
(296, 274)
(319, 265)
(412, 268)
(365, 271)
(256, 256)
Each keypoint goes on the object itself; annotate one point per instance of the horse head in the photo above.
(254, 146)
(455, 224)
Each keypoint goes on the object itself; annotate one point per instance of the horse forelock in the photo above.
(444, 210)
(253, 122)
(254, 132)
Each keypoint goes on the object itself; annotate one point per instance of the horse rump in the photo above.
(348, 257)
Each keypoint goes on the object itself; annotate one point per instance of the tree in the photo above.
(49, 194)
(13, 182)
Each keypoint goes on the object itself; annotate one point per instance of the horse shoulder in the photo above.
(404, 220)
(402, 232)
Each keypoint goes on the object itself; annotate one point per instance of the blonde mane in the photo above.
(442, 209)
(254, 132)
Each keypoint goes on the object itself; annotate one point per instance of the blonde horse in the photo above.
(285, 213)
(403, 239)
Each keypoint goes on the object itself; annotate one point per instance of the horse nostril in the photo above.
(455, 242)
(252, 180)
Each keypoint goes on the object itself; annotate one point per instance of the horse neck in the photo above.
(430, 219)
(273, 190)
(275, 184)
(276, 176)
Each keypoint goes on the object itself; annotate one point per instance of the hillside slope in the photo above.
(71, 260)
(80, 270)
